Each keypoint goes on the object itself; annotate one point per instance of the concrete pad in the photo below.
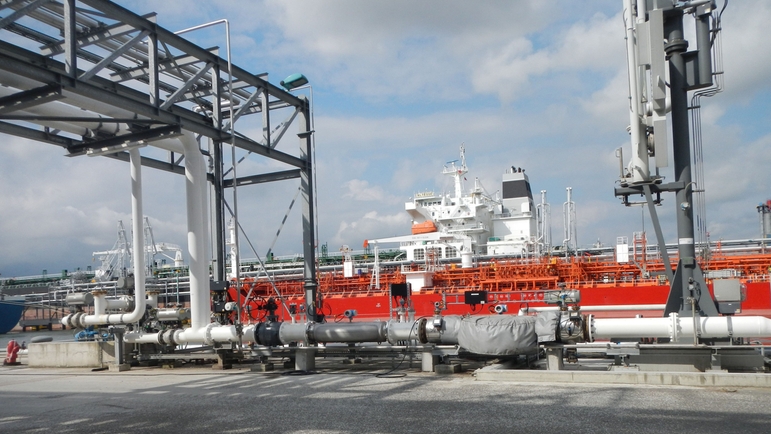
(447, 369)
(706, 379)
(119, 367)
(262, 367)
(71, 354)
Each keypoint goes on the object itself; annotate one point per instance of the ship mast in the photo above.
(457, 172)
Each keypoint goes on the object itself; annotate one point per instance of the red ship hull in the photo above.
(607, 289)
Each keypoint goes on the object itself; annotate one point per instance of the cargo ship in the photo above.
(11, 309)
(470, 252)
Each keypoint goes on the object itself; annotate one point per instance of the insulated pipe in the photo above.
(680, 328)
(347, 332)
(273, 334)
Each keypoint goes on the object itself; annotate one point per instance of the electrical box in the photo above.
(400, 290)
(729, 308)
(475, 297)
(728, 290)
(218, 285)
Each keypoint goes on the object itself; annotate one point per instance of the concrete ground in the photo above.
(351, 399)
(344, 398)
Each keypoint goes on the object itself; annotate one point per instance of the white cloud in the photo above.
(510, 70)
(360, 190)
(745, 49)
(371, 225)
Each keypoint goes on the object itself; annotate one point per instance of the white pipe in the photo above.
(152, 299)
(208, 335)
(139, 260)
(121, 302)
(100, 302)
(638, 166)
(197, 224)
(680, 328)
(195, 174)
(607, 308)
(195, 182)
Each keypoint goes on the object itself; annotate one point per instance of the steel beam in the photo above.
(105, 33)
(150, 135)
(124, 15)
(30, 98)
(150, 162)
(37, 135)
(24, 10)
(133, 101)
(262, 178)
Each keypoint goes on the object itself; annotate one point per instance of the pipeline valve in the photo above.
(563, 298)
(573, 327)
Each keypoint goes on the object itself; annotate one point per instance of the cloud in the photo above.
(371, 225)
(746, 69)
(511, 70)
(398, 86)
(360, 190)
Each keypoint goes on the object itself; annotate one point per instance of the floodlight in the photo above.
(294, 81)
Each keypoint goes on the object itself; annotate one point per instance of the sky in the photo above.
(397, 87)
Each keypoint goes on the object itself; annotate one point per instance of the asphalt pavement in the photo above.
(352, 399)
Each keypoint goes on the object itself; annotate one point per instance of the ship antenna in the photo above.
(460, 172)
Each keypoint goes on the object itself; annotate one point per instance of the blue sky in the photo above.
(397, 87)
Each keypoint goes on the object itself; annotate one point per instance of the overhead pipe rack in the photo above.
(128, 72)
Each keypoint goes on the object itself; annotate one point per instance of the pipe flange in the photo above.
(207, 334)
(676, 45)
(76, 320)
(67, 321)
(392, 335)
(674, 324)
(422, 336)
(309, 333)
(166, 337)
(589, 329)
(170, 337)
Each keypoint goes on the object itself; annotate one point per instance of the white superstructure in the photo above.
(461, 223)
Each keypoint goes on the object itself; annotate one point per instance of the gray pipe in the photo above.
(347, 332)
(704, 47)
(274, 334)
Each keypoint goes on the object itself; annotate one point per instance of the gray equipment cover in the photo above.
(498, 335)
(546, 326)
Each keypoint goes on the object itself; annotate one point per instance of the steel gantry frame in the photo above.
(92, 77)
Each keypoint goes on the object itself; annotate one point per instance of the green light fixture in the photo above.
(294, 81)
